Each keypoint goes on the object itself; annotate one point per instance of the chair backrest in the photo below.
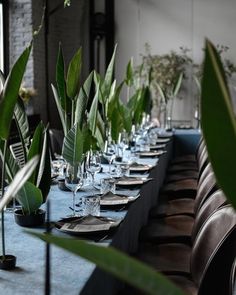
(204, 190)
(214, 245)
(207, 169)
(18, 153)
(214, 201)
(232, 279)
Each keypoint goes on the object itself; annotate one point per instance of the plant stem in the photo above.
(2, 214)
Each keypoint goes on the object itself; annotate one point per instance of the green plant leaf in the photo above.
(82, 100)
(118, 264)
(178, 85)
(110, 71)
(60, 79)
(22, 124)
(30, 198)
(100, 133)
(92, 116)
(218, 122)
(10, 92)
(19, 180)
(36, 149)
(44, 172)
(72, 150)
(129, 73)
(60, 110)
(11, 164)
(161, 92)
(73, 75)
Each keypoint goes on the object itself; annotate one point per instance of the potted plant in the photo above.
(8, 98)
(34, 192)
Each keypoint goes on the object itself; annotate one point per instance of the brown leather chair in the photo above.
(178, 206)
(168, 256)
(211, 258)
(178, 228)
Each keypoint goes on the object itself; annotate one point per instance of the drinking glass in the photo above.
(93, 164)
(123, 142)
(73, 181)
(110, 156)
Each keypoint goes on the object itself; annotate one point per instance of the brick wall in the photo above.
(20, 33)
(68, 26)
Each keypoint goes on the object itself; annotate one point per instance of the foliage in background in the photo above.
(165, 70)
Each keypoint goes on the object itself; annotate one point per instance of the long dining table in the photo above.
(71, 274)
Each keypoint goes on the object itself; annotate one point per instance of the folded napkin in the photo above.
(88, 224)
(112, 199)
(139, 167)
(152, 153)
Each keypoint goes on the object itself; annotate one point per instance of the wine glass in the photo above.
(93, 164)
(123, 142)
(73, 181)
(110, 156)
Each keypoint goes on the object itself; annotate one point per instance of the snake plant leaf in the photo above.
(60, 79)
(82, 100)
(146, 100)
(44, 172)
(36, 149)
(72, 149)
(19, 180)
(73, 75)
(92, 116)
(161, 92)
(22, 124)
(10, 92)
(11, 164)
(100, 133)
(178, 85)
(98, 81)
(30, 198)
(126, 117)
(61, 112)
(218, 122)
(109, 72)
(129, 73)
(90, 142)
(117, 263)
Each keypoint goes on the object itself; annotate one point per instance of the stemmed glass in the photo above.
(93, 164)
(110, 155)
(123, 142)
(73, 181)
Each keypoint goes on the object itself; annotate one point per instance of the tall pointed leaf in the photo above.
(110, 70)
(92, 117)
(178, 84)
(19, 180)
(22, 124)
(118, 264)
(73, 74)
(11, 164)
(218, 122)
(60, 110)
(10, 92)
(44, 172)
(36, 149)
(60, 79)
(82, 100)
(129, 73)
(72, 150)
